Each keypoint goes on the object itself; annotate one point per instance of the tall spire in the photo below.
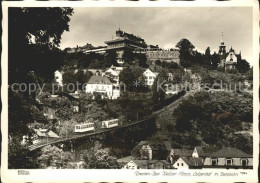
(222, 47)
(222, 40)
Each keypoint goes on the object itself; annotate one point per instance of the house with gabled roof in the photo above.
(103, 86)
(202, 152)
(149, 77)
(159, 150)
(188, 163)
(145, 164)
(136, 164)
(175, 154)
(158, 164)
(228, 157)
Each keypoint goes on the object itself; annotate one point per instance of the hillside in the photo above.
(209, 119)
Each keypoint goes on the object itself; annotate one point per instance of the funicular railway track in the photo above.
(100, 131)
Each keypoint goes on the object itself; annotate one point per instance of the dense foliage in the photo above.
(33, 38)
(210, 118)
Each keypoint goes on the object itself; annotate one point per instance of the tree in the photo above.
(215, 60)
(158, 88)
(242, 65)
(102, 160)
(133, 79)
(33, 38)
(63, 106)
(67, 128)
(249, 74)
(110, 59)
(186, 48)
(69, 78)
(19, 156)
(128, 56)
(141, 60)
(82, 78)
(158, 62)
(54, 156)
(207, 57)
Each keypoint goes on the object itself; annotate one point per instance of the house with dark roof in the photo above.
(202, 152)
(158, 164)
(102, 85)
(188, 163)
(228, 157)
(152, 150)
(146, 164)
(175, 154)
(136, 164)
(41, 135)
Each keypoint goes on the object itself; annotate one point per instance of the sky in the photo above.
(165, 26)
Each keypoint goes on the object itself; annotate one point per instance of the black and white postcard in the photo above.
(128, 91)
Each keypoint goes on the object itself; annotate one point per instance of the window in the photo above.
(178, 164)
(228, 162)
(244, 162)
(214, 162)
(181, 164)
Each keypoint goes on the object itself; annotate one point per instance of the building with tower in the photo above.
(124, 41)
(222, 47)
(228, 60)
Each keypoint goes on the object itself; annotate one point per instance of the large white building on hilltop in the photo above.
(154, 53)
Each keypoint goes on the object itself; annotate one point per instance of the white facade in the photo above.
(149, 77)
(112, 74)
(103, 86)
(131, 165)
(58, 77)
(240, 162)
(195, 153)
(180, 164)
(231, 57)
(146, 152)
(106, 89)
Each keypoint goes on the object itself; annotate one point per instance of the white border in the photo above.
(125, 175)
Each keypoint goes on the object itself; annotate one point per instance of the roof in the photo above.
(99, 80)
(135, 152)
(125, 159)
(148, 71)
(204, 151)
(112, 72)
(230, 152)
(58, 71)
(183, 152)
(42, 133)
(155, 161)
(93, 71)
(141, 163)
(193, 161)
(154, 145)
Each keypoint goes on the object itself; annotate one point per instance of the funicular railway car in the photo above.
(84, 127)
(110, 123)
